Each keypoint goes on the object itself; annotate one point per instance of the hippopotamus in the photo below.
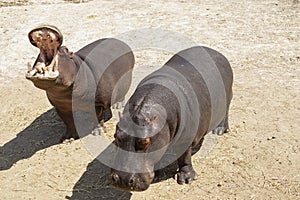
(90, 80)
(168, 115)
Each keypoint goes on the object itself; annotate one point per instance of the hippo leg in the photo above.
(71, 132)
(186, 172)
(223, 127)
(197, 147)
(103, 114)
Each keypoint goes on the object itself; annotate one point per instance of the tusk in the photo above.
(45, 69)
(55, 66)
(32, 72)
(46, 73)
(51, 65)
(29, 67)
(39, 67)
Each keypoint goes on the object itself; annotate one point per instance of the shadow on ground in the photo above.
(43, 132)
(95, 182)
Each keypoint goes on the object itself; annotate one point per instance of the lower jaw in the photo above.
(41, 77)
(132, 189)
(43, 72)
(42, 83)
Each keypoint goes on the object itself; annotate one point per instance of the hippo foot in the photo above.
(67, 141)
(118, 105)
(186, 175)
(220, 130)
(223, 127)
(67, 138)
(100, 129)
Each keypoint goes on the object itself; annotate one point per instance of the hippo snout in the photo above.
(128, 181)
(131, 182)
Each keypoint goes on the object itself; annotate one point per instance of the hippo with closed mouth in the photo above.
(168, 115)
(80, 81)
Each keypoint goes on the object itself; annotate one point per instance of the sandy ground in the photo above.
(258, 159)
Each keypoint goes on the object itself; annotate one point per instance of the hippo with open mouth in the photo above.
(90, 80)
(168, 115)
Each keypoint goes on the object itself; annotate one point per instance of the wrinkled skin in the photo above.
(81, 81)
(140, 110)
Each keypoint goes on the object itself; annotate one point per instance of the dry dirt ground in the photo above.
(258, 159)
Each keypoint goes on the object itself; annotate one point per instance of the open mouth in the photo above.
(48, 39)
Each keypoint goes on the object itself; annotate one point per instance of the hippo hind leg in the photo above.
(186, 172)
(103, 115)
(119, 104)
(223, 127)
(196, 148)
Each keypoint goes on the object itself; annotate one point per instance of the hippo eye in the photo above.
(142, 144)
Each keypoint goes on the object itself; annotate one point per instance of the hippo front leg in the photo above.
(186, 172)
(68, 119)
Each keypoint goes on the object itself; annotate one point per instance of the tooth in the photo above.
(46, 74)
(50, 68)
(55, 66)
(32, 72)
(40, 67)
(29, 67)
(46, 68)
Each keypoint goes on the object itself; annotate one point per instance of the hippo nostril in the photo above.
(115, 178)
(131, 181)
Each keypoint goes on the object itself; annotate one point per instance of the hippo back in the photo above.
(109, 61)
(200, 78)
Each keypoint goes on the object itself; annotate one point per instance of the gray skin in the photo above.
(139, 110)
(87, 77)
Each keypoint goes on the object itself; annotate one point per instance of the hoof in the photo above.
(68, 138)
(67, 141)
(118, 105)
(100, 129)
(220, 130)
(186, 176)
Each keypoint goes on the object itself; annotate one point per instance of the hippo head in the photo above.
(141, 140)
(134, 175)
(46, 70)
